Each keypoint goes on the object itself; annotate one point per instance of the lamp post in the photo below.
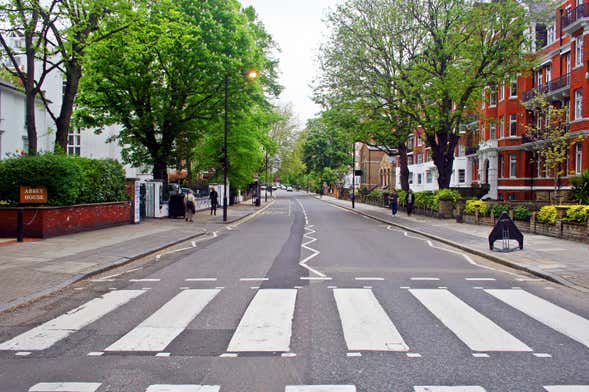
(353, 173)
(251, 75)
(266, 190)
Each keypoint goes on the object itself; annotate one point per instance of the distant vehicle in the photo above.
(274, 187)
(263, 187)
(289, 189)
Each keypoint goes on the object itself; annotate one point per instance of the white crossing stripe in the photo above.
(158, 330)
(557, 318)
(65, 387)
(475, 330)
(320, 388)
(365, 324)
(182, 388)
(267, 322)
(567, 388)
(51, 332)
(448, 389)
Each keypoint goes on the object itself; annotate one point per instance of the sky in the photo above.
(297, 27)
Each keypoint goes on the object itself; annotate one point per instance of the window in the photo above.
(550, 34)
(512, 166)
(461, 150)
(410, 178)
(461, 175)
(493, 130)
(429, 155)
(513, 88)
(419, 141)
(493, 96)
(410, 142)
(513, 125)
(410, 159)
(501, 167)
(418, 178)
(73, 142)
(578, 104)
(539, 167)
(420, 158)
(501, 127)
(501, 92)
(579, 51)
(548, 73)
(578, 158)
(539, 77)
(428, 176)
(566, 61)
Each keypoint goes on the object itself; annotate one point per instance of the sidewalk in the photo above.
(36, 268)
(562, 261)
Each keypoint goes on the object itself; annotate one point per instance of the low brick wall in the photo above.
(44, 222)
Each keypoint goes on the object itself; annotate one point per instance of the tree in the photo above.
(325, 147)
(55, 35)
(550, 138)
(164, 77)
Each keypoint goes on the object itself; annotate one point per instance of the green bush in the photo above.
(474, 204)
(522, 213)
(576, 214)
(580, 190)
(547, 214)
(401, 193)
(447, 195)
(69, 180)
(59, 173)
(426, 200)
(498, 209)
(376, 194)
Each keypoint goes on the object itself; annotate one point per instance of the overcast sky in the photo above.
(297, 27)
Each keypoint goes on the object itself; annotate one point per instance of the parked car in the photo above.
(289, 188)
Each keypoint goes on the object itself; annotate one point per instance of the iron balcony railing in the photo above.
(571, 15)
(548, 88)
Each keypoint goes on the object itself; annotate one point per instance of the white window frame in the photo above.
(578, 158)
(428, 176)
(75, 148)
(548, 73)
(512, 166)
(512, 129)
(513, 88)
(579, 51)
(501, 92)
(501, 127)
(492, 96)
(492, 130)
(578, 104)
(419, 158)
(410, 178)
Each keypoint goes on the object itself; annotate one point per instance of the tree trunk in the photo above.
(443, 155)
(30, 94)
(404, 169)
(62, 123)
(160, 169)
(30, 123)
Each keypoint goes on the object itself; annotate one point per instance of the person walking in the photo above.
(214, 197)
(409, 201)
(394, 200)
(190, 206)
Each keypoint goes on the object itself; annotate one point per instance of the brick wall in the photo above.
(44, 222)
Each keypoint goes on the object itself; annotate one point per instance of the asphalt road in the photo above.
(303, 297)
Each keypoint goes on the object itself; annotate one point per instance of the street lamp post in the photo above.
(266, 190)
(353, 173)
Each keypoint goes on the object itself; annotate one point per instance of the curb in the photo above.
(491, 257)
(51, 290)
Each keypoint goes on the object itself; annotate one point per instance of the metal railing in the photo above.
(572, 15)
(548, 88)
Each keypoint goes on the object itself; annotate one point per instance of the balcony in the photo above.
(554, 90)
(572, 18)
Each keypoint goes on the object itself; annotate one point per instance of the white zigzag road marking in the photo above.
(305, 245)
(431, 244)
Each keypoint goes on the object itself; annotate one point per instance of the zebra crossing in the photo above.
(94, 387)
(266, 326)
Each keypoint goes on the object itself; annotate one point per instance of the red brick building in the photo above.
(505, 159)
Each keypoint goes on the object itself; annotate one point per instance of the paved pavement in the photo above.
(559, 260)
(36, 268)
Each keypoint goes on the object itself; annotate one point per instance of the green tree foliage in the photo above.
(580, 184)
(163, 79)
(325, 147)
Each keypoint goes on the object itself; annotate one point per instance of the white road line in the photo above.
(315, 278)
(479, 279)
(567, 388)
(201, 280)
(314, 252)
(253, 279)
(162, 327)
(267, 322)
(366, 325)
(228, 355)
(557, 318)
(182, 388)
(95, 354)
(51, 332)
(477, 331)
(144, 280)
(320, 388)
(65, 387)
(424, 278)
(542, 355)
(448, 389)
(413, 355)
(368, 278)
(480, 355)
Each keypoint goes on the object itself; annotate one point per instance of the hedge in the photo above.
(69, 180)
(547, 214)
(472, 205)
(430, 200)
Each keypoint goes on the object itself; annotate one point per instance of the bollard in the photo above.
(19, 225)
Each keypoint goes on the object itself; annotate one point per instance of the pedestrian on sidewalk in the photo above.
(409, 201)
(394, 200)
(190, 207)
(214, 197)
